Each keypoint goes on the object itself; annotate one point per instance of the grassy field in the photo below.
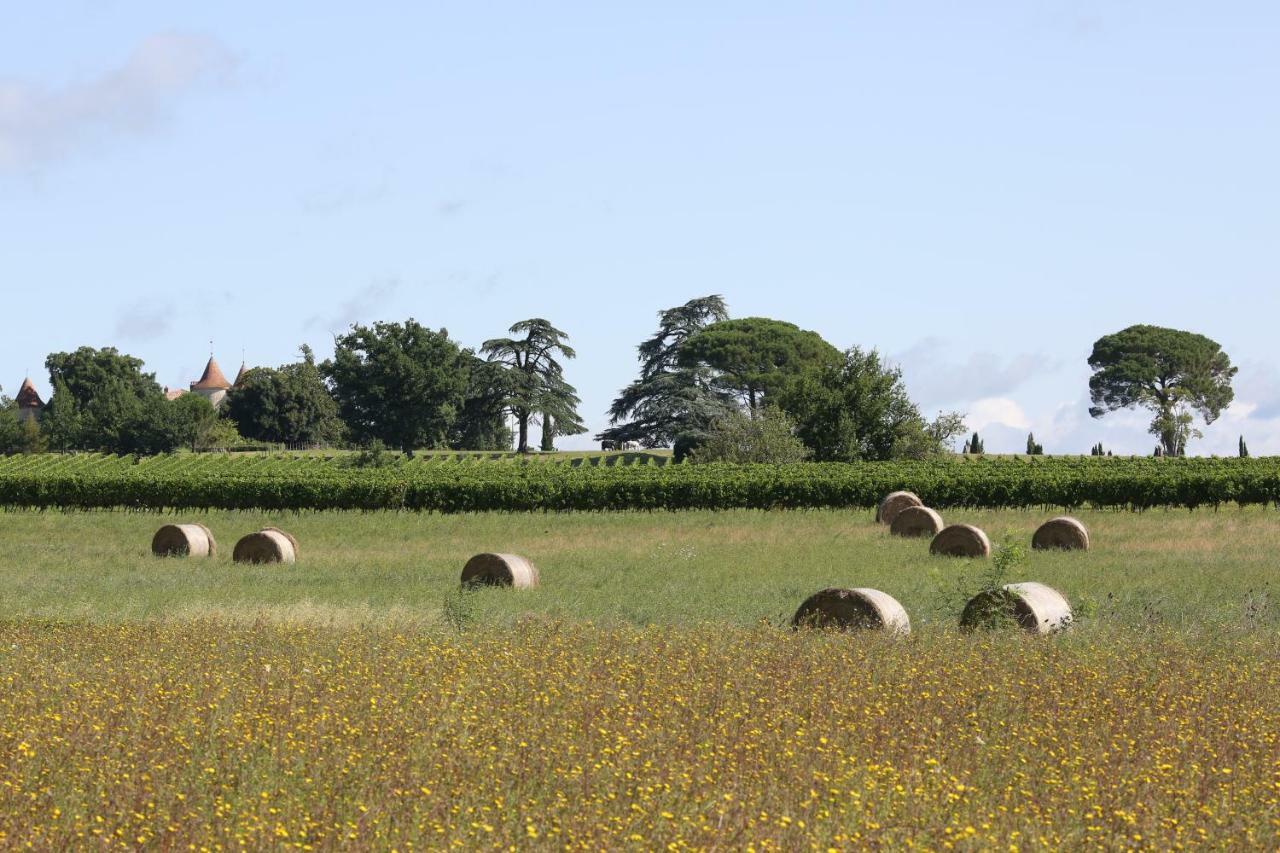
(1171, 567)
(645, 696)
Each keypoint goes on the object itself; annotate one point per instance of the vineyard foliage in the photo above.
(471, 482)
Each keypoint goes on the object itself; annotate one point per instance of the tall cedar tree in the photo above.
(670, 399)
(536, 386)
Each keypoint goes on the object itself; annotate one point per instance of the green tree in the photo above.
(859, 409)
(768, 437)
(1173, 373)
(669, 400)
(399, 383)
(1244, 449)
(10, 428)
(756, 359)
(103, 401)
(482, 423)
(288, 405)
(535, 383)
(1034, 448)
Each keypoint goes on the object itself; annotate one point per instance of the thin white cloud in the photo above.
(144, 320)
(40, 124)
(935, 376)
(373, 296)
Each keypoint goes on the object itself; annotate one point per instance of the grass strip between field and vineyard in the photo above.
(472, 483)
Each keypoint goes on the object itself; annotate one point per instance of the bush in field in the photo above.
(858, 409)
(767, 437)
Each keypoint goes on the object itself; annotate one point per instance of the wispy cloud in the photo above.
(341, 198)
(144, 320)
(451, 208)
(358, 306)
(39, 124)
(935, 376)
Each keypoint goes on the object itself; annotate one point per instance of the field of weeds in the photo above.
(573, 736)
(648, 694)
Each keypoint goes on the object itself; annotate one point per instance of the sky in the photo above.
(979, 191)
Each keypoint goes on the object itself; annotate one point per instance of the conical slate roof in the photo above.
(28, 398)
(212, 380)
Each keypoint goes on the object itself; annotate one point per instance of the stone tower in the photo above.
(212, 385)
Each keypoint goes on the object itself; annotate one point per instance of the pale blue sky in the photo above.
(978, 190)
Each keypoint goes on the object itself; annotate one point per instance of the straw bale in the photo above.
(265, 546)
(894, 503)
(917, 521)
(500, 570)
(961, 540)
(1063, 532)
(1034, 607)
(184, 540)
(852, 609)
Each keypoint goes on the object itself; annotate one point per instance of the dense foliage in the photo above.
(467, 482)
(288, 405)
(767, 436)
(1174, 374)
(403, 384)
(858, 409)
(757, 359)
(669, 400)
(103, 401)
(535, 387)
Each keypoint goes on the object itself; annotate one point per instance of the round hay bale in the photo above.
(960, 540)
(1063, 532)
(1034, 607)
(293, 540)
(917, 521)
(500, 570)
(184, 540)
(852, 609)
(894, 503)
(265, 546)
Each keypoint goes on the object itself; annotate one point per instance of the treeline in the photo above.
(307, 483)
(715, 388)
(393, 384)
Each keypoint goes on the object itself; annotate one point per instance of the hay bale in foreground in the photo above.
(917, 521)
(960, 540)
(1062, 532)
(1034, 607)
(269, 545)
(500, 570)
(184, 540)
(852, 609)
(292, 539)
(894, 503)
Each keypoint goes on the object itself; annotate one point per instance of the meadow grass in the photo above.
(646, 695)
(204, 735)
(1168, 567)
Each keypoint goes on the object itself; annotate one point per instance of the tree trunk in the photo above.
(522, 417)
(548, 433)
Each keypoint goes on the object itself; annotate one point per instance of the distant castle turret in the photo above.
(29, 403)
(212, 385)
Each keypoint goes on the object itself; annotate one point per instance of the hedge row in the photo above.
(229, 483)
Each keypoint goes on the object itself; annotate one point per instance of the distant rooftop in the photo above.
(28, 397)
(212, 380)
